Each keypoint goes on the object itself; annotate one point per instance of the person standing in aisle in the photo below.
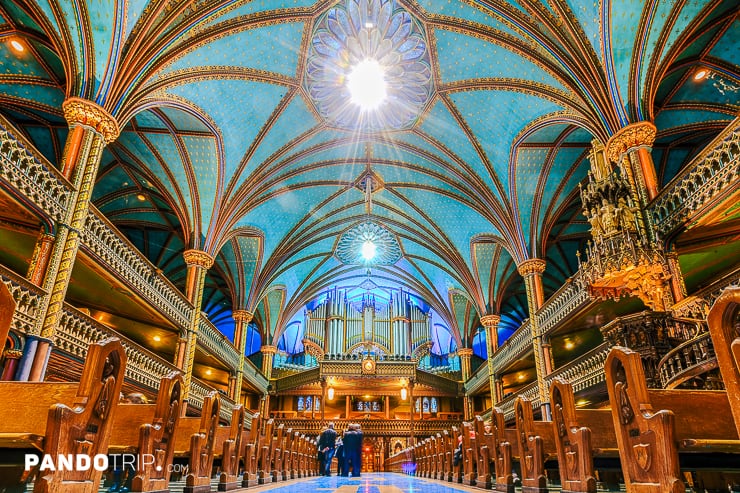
(353, 451)
(327, 440)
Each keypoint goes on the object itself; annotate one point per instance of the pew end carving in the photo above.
(531, 447)
(202, 447)
(645, 438)
(503, 453)
(573, 442)
(724, 327)
(232, 449)
(251, 449)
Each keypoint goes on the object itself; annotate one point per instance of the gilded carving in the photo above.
(490, 321)
(84, 112)
(531, 267)
(199, 258)
(633, 136)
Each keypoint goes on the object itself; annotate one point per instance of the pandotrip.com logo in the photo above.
(99, 462)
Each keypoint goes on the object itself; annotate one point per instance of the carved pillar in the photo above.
(411, 414)
(634, 142)
(465, 354)
(198, 262)
(531, 270)
(268, 353)
(91, 128)
(499, 388)
(347, 406)
(12, 356)
(490, 323)
(323, 398)
(678, 287)
(40, 259)
(467, 408)
(242, 319)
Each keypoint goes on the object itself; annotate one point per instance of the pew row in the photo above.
(65, 418)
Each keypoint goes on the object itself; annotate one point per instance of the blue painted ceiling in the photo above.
(223, 149)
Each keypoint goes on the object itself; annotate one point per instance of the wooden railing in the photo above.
(374, 427)
(712, 173)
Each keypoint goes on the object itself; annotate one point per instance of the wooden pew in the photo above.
(149, 430)
(264, 474)
(485, 455)
(251, 452)
(448, 450)
(572, 440)
(232, 449)
(203, 446)
(277, 472)
(726, 341)
(66, 418)
(501, 446)
(533, 438)
(470, 454)
(649, 441)
(439, 455)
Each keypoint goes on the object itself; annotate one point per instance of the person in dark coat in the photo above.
(340, 456)
(352, 451)
(327, 440)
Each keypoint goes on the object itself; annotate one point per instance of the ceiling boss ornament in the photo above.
(352, 246)
(376, 41)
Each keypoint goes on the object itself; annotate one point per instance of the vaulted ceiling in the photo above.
(230, 145)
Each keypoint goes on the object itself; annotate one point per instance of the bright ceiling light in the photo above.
(701, 74)
(17, 46)
(368, 250)
(366, 84)
(330, 393)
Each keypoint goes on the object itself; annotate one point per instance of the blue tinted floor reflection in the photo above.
(367, 483)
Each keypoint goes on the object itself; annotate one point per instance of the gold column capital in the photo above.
(531, 267)
(242, 316)
(490, 321)
(465, 352)
(633, 136)
(267, 349)
(85, 112)
(197, 257)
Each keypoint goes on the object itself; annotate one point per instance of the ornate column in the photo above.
(411, 414)
(91, 128)
(323, 398)
(12, 356)
(268, 354)
(40, 259)
(490, 323)
(531, 270)
(634, 143)
(198, 262)
(242, 319)
(678, 287)
(499, 389)
(465, 354)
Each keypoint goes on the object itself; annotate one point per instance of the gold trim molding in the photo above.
(268, 349)
(531, 267)
(84, 112)
(490, 321)
(242, 316)
(465, 351)
(640, 134)
(197, 257)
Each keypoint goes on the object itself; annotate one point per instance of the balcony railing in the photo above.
(584, 372)
(216, 343)
(28, 298)
(374, 427)
(507, 405)
(569, 299)
(31, 174)
(514, 348)
(711, 173)
(686, 361)
(478, 380)
(112, 249)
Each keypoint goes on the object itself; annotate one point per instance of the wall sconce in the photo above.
(404, 393)
(330, 393)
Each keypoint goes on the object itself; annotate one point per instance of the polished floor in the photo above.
(378, 482)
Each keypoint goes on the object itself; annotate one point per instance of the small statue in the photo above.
(626, 214)
(607, 217)
(596, 228)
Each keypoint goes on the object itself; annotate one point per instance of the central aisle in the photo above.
(379, 482)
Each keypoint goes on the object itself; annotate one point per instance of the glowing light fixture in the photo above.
(368, 250)
(521, 376)
(141, 197)
(208, 371)
(156, 338)
(17, 46)
(701, 74)
(366, 84)
(330, 393)
(569, 344)
(404, 393)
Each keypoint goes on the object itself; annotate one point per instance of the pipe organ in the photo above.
(339, 325)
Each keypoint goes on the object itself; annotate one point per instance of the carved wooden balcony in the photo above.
(690, 359)
(713, 174)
